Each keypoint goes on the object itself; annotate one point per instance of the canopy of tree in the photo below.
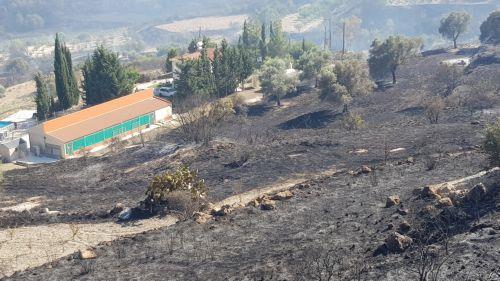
(105, 78)
(274, 79)
(387, 56)
(454, 25)
(42, 98)
(66, 86)
(490, 29)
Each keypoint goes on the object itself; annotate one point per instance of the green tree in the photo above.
(274, 79)
(172, 53)
(65, 80)
(490, 29)
(246, 64)
(42, 98)
(278, 45)
(354, 76)
(105, 78)
(263, 42)
(331, 90)
(454, 25)
(312, 62)
(193, 46)
(2, 91)
(387, 56)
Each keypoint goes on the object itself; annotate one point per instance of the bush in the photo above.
(492, 142)
(433, 109)
(2, 91)
(353, 121)
(182, 180)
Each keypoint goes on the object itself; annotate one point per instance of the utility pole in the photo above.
(330, 36)
(325, 42)
(343, 39)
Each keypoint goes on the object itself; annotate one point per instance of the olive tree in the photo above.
(454, 25)
(490, 29)
(354, 76)
(387, 56)
(331, 90)
(275, 79)
(312, 62)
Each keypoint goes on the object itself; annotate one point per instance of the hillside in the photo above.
(335, 205)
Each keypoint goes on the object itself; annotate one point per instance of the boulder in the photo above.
(87, 254)
(268, 205)
(403, 211)
(201, 218)
(284, 195)
(225, 210)
(445, 202)
(404, 227)
(392, 201)
(365, 169)
(118, 208)
(477, 193)
(431, 191)
(125, 215)
(397, 243)
(410, 160)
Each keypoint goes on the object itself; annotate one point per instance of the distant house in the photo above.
(177, 61)
(74, 133)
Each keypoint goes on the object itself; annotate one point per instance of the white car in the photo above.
(166, 92)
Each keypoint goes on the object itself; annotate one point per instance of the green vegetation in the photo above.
(105, 78)
(490, 29)
(42, 98)
(312, 62)
(331, 90)
(454, 25)
(183, 179)
(354, 76)
(172, 53)
(492, 142)
(274, 79)
(18, 66)
(66, 85)
(387, 56)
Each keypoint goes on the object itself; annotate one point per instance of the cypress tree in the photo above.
(66, 85)
(263, 42)
(42, 99)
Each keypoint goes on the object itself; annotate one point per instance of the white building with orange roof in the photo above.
(77, 132)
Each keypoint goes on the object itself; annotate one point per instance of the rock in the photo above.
(268, 205)
(44, 211)
(404, 227)
(254, 203)
(118, 208)
(304, 186)
(365, 169)
(284, 195)
(431, 191)
(390, 226)
(125, 215)
(477, 193)
(208, 207)
(410, 160)
(445, 202)
(398, 150)
(352, 173)
(403, 212)
(201, 218)
(392, 201)
(87, 254)
(225, 210)
(397, 243)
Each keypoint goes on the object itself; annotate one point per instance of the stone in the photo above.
(365, 169)
(225, 210)
(118, 208)
(284, 195)
(201, 218)
(392, 201)
(398, 243)
(125, 215)
(208, 207)
(445, 202)
(477, 193)
(87, 254)
(403, 211)
(404, 227)
(410, 160)
(431, 191)
(304, 186)
(398, 150)
(268, 205)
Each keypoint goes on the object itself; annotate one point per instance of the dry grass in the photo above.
(205, 23)
(17, 97)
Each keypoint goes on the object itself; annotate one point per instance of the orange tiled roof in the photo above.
(197, 55)
(93, 119)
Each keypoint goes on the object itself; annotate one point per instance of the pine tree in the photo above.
(42, 99)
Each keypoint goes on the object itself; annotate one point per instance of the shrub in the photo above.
(354, 76)
(492, 142)
(353, 121)
(433, 109)
(182, 180)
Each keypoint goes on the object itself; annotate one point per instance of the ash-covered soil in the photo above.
(303, 137)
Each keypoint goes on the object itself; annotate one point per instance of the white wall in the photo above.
(163, 114)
